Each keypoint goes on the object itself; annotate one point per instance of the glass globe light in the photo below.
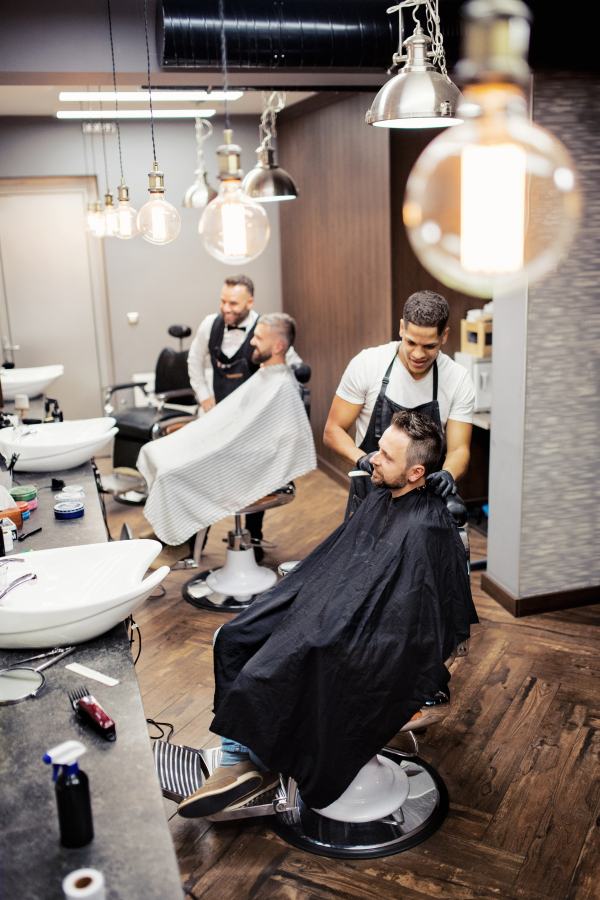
(233, 228)
(492, 203)
(126, 216)
(111, 219)
(99, 223)
(158, 221)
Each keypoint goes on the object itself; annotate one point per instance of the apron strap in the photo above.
(379, 401)
(435, 380)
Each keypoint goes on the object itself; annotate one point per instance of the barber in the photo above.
(413, 375)
(223, 342)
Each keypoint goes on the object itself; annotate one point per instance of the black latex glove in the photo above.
(364, 463)
(442, 482)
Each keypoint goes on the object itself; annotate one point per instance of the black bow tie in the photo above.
(236, 328)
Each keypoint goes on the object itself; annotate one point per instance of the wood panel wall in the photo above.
(335, 242)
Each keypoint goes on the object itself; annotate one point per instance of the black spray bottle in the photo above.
(72, 794)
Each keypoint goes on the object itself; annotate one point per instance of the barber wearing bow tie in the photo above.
(223, 341)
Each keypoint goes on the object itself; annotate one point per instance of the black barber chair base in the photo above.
(181, 769)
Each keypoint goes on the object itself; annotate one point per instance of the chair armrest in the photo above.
(172, 395)
(110, 390)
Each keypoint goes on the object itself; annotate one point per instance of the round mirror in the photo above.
(19, 684)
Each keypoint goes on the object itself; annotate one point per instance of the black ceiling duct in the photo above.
(268, 34)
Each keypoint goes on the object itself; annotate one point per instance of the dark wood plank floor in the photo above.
(519, 751)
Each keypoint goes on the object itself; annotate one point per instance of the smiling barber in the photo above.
(413, 374)
(223, 342)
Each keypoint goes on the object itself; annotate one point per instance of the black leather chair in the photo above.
(172, 385)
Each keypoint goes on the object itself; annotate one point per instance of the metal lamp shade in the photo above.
(424, 99)
(267, 182)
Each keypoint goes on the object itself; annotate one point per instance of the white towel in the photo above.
(253, 442)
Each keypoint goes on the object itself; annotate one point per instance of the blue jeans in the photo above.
(233, 753)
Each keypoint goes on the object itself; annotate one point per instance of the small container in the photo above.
(8, 539)
(72, 794)
(79, 496)
(24, 492)
(24, 507)
(68, 509)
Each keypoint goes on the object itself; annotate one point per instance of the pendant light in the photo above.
(158, 221)
(233, 228)
(420, 96)
(267, 181)
(201, 192)
(493, 204)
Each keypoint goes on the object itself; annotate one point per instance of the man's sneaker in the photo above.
(434, 711)
(270, 780)
(227, 784)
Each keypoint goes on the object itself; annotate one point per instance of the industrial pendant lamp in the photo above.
(233, 228)
(201, 192)
(493, 204)
(420, 96)
(158, 221)
(267, 182)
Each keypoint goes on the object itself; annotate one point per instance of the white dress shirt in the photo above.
(199, 357)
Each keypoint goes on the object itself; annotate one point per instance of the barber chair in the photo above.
(171, 385)
(396, 801)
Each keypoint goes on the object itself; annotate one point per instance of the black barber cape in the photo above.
(324, 669)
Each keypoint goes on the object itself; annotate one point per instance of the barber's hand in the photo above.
(207, 405)
(364, 463)
(442, 482)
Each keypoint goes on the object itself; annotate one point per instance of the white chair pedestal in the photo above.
(241, 576)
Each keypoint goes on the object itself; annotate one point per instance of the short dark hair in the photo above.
(425, 439)
(233, 280)
(427, 309)
(282, 324)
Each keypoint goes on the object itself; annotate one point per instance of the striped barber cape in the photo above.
(253, 442)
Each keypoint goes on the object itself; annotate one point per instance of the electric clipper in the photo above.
(89, 710)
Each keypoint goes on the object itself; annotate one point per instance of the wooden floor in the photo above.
(519, 751)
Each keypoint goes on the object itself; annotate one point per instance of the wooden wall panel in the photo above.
(335, 241)
(408, 275)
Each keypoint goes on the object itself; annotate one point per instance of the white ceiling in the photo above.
(42, 100)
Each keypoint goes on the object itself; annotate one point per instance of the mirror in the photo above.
(19, 684)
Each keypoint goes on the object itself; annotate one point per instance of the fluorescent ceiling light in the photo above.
(158, 96)
(135, 114)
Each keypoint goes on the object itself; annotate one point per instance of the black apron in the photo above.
(381, 417)
(229, 372)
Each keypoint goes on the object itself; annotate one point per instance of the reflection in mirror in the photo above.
(18, 684)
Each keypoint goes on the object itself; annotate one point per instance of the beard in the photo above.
(258, 357)
(394, 484)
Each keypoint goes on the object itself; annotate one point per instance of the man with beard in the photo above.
(323, 669)
(253, 442)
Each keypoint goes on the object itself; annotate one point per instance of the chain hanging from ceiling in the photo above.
(433, 29)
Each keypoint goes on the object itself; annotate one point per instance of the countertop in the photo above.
(132, 846)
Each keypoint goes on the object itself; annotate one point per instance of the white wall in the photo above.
(176, 284)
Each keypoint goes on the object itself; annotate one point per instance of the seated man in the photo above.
(252, 443)
(326, 667)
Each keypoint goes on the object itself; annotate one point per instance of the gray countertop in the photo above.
(132, 844)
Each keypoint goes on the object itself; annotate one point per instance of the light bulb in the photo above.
(126, 215)
(494, 202)
(157, 220)
(99, 223)
(89, 221)
(233, 228)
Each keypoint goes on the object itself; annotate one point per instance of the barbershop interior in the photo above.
(344, 643)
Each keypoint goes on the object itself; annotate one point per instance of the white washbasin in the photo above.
(32, 381)
(56, 445)
(79, 593)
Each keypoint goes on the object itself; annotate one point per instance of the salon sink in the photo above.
(56, 445)
(32, 381)
(79, 593)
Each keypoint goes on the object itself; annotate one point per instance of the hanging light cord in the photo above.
(223, 57)
(272, 104)
(85, 154)
(92, 137)
(103, 146)
(149, 86)
(112, 53)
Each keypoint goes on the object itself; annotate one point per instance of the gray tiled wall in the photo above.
(560, 521)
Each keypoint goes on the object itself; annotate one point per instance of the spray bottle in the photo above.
(72, 794)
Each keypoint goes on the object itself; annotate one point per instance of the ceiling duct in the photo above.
(277, 34)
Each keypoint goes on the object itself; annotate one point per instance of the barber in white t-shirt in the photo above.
(413, 374)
